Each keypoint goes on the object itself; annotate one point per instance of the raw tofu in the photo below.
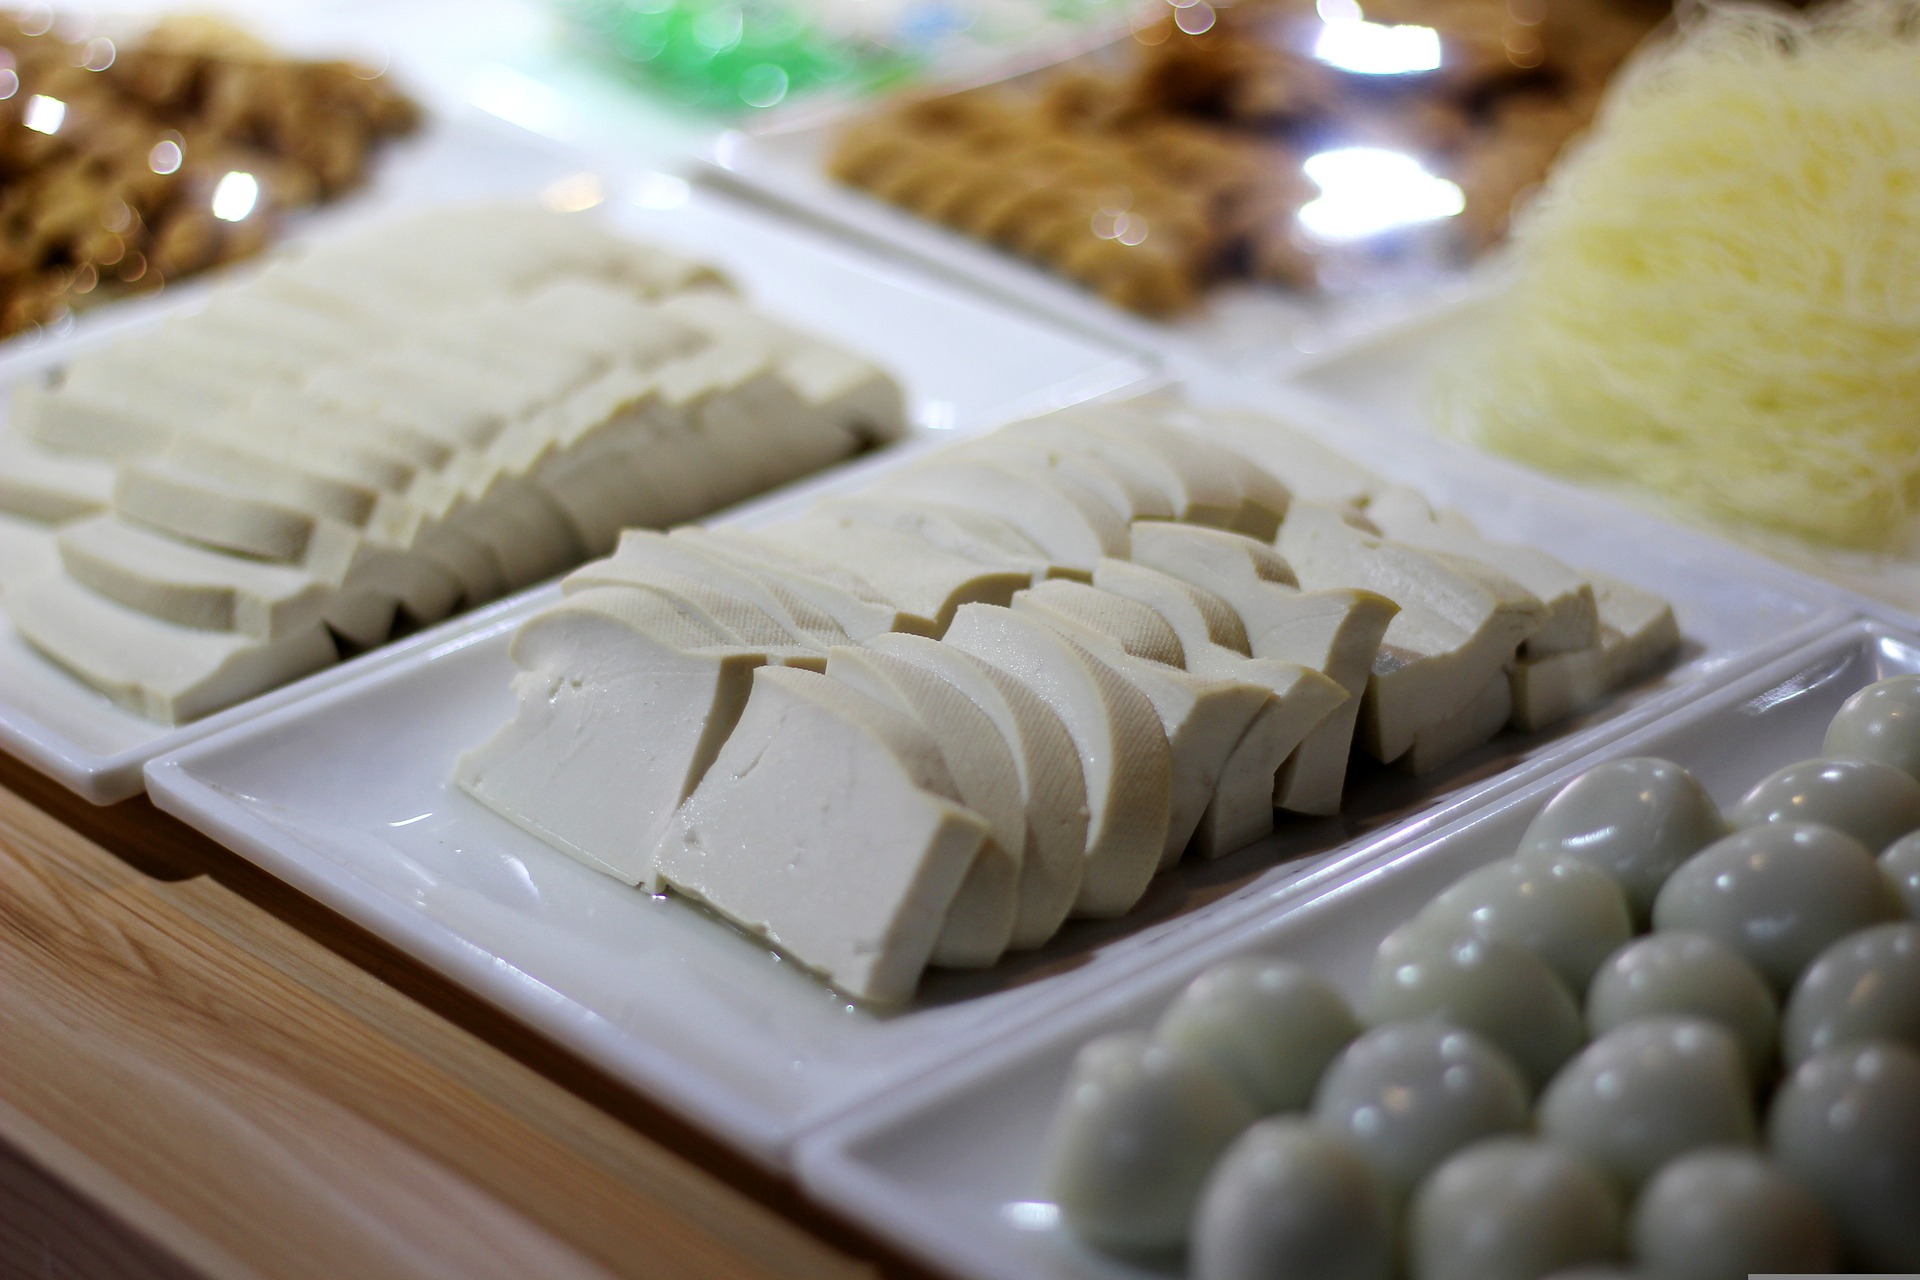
(1336, 633)
(1572, 621)
(1141, 463)
(1067, 521)
(623, 703)
(1214, 641)
(1459, 624)
(28, 550)
(688, 557)
(191, 586)
(162, 671)
(848, 599)
(822, 826)
(1203, 718)
(1127, 494)
(1637, 633)
(40, 484)
(928, 584)
(1124, 756)
(736, 616)
(1310, 470)
(1445, 741)
(980, 923)
(981, 538)
(1053, 793)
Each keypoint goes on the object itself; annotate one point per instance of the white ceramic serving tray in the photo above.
(966, 364)
(1246, 328)
(1387, 376)
(949, 1168)
(345, 796)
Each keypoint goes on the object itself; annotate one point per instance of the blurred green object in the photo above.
(727, 56)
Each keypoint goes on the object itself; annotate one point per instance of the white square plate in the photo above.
(965, 363)
(949, 1169)
(346, 796)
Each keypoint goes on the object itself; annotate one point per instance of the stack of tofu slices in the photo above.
(396, 424)
(1008, 685)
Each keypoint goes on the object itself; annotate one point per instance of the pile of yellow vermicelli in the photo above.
(1718, 295)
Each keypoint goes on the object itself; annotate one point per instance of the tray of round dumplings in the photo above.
(1655, 1013)
(770, 818)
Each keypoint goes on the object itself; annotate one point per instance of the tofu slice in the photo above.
(736, 616)
(623, 701)
(1441, 743)
(1203, 718)
(1053, 792)
(823, 827)
(1142, 464)
(41, 484)
(1130, 497)
(688, 557)
(192, 586)
(1062, 517)
(1637, 633)
(848, 599)
(28, 550)
(927, 584)
(1214, 641)
(157, 669)
(1230, 490)
(1310, 470)
(1336, 633)
(980, 923)
(1124, 756)
(1572, 620)
(1459, 624)
(971, 535)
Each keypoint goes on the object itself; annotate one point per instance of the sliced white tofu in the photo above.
(192, 586)
(986, 779)
(1063, 518)
(1444, 741)
(41, 484)
(927, 584)
(1203, 718)
(1130, 497)
(1572, 620)
(623, 703)
(970, 534)
(218, 514)
(1637, 633)
(823, 826)
(1140, 463)
(1198, 616)
(158, 669)
(1124, 756)
(28, 550)
(91, 424)
(737, 616)
(848, 599)
(1311, 471)
(1261, 499)
(689, 558)
(1053, 793)
(1459, 624)
(1214, 641)
(311, 484)
(1336, 633)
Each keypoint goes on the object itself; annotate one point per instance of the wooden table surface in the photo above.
(203, 1073)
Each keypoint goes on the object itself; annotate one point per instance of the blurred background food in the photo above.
(1253, 140)
(125, 164)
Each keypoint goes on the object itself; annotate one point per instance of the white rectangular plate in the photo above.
(346, 796)
(949, 1169)
(966, 364)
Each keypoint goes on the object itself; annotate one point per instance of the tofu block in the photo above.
(980, 922)
(735, 616)
(1203, 718)
(1127, 494)
(926, 583)
(623, 703)
(1311, 471)
(192, 586)
(1184, 492)
(822, 826)
(39, 484)
(848, 599)
(688, 557)
(28, 550)
(1198, 617)
(157, 669)
(1637, 633)
(1053, 793)
(1124, 756)
(971, 535)
(1458, 626)
(1445, 741)
(1336, 633)
(1572, 620)
(1067, 521)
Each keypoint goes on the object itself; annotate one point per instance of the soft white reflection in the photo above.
(661, 191)
(1367, 190)
(1351, 43)
(44, 114)
(234, 196)
(519, 99)
(165, 156)
(1031, 1215)
(575, 192)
